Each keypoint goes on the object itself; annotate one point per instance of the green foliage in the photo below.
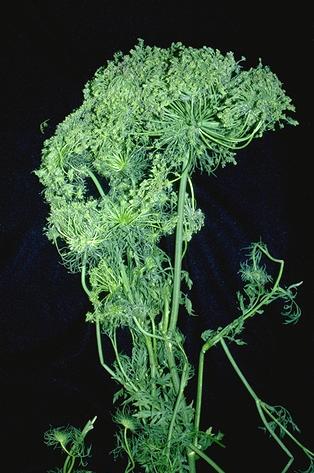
(72, 442)
(142, 113)
(283, 420)
(117, 176)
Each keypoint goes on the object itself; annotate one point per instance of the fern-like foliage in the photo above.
(117, 175)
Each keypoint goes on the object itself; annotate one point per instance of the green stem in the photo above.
(96, 182)
(306, 450)
(199, 395)
(205, 457)
(127, 448)
(177, 405)
(255, 308)
(172, 365)
(176, 292)
(177, 276)
(83, 275)
(128, 382)
(144, 332)
(165, 317)
(238, 371)
(71, 456)
(98, 332)
(178, 250)
(151, 357)
(68, 464)
(262, 407)
(101, 354)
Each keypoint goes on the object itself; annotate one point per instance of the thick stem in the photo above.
(176, 292)
(178, 250)
(177, 276)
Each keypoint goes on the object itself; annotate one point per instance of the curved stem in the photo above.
(98, 331)
(128, 381)
(68, 464)
(83, 275)
(255, 308)
(127, 449)
(96, 182)
(101, 354)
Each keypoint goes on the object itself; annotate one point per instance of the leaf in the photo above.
(188, 305)
(117, 395)
(208, 334)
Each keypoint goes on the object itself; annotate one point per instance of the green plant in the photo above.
(72, 442)
(118, 178)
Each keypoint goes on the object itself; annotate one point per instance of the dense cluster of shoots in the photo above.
(118, 175)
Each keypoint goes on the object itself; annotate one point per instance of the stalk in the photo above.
(207, 459)
(176, 407)
(97, 183)
(262, 409)
(177, 275)
(173, 319)
(178, 251)
(199, 395)
(151, 357)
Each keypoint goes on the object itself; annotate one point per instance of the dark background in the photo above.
(49, 367)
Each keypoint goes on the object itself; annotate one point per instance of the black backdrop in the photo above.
(49, 367)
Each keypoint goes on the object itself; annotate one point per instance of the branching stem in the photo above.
(177, 405)
(205, 457)
(131, 464)
(101, 355)
(262, 409)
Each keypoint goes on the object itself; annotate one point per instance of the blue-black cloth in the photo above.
(49, 369)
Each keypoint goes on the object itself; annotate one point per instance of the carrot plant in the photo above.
(118, 176)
